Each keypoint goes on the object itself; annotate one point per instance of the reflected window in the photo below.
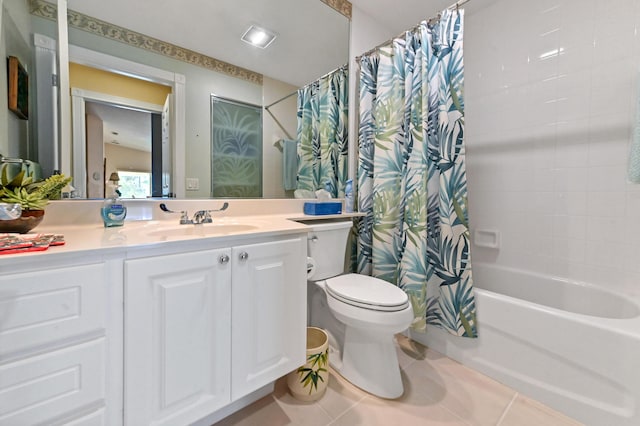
(134, 184)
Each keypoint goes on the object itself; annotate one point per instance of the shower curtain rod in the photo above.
(287, 134)
(280, 100)
(456, 6)
(291, 94)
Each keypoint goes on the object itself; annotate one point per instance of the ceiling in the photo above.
(132, 128)
(401, 15)
(312, 38)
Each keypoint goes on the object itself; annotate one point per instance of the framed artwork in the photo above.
(18, 82)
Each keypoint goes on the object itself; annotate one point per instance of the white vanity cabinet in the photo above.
(177, 337)
(60, 344)
(269, 313)
(205, 328)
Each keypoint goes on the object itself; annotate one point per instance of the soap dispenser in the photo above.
(113, 211)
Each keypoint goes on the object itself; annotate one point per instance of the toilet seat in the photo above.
(367, 292)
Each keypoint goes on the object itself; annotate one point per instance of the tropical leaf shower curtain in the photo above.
(322, 133)
(411, 174)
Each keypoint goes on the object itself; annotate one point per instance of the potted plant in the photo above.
(31, 196)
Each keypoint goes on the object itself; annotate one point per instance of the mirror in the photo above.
(312, 40)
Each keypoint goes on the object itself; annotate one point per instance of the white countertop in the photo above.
(147, 234)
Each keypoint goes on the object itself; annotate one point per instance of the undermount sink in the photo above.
(203, 230)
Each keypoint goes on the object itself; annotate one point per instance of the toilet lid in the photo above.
(367, 292)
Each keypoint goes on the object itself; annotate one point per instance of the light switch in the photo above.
(193, 184)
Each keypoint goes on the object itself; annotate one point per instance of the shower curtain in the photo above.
(322, 133)
(411, 174)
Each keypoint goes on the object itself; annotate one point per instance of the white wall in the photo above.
(127, 159)
(548, 139)
(285, 112)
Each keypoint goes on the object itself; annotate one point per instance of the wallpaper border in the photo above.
(341, 6)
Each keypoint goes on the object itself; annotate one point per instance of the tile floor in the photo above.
(438, 391)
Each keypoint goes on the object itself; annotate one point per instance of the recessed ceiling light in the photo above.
(258, 37)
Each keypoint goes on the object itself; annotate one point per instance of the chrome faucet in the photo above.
(199, 217)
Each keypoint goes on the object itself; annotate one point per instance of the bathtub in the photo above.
(572, 346)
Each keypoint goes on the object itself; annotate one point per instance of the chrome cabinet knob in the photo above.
(244, 255)
(223, 259)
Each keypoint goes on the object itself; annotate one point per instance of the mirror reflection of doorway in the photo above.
(120, 140)
(120, 124)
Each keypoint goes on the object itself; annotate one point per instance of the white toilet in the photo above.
(360, 313)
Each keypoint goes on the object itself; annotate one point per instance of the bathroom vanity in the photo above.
(151, 323)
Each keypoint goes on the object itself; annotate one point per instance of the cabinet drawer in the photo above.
(41, 388)
(97, 418)
(40, 309)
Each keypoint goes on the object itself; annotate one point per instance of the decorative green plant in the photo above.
(51, 187)
(29, 194)
(309, 376)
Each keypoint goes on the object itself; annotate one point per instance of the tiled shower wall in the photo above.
(551, 89)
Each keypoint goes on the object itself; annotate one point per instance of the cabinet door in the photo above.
(269, 313)
(177, 337)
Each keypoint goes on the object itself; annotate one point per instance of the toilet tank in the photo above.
(327, 245)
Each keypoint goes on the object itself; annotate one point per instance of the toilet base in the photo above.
(369, 360)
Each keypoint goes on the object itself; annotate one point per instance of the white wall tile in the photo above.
(633, 204)
(570, 203)
(607, 178)
(631, 257)
(580, 11)
(609, 152)
(614, 19)
(570, 179)
(575, 92)
(572, 144)
(569, 249)
(629, 285)
(543, 179)
(607, 229)
(564, 226)
(609, 255)
(549, 137)
(607, 204)
(612, 50)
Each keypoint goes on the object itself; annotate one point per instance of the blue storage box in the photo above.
(322, 207)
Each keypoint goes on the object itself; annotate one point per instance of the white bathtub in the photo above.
(572, 346)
